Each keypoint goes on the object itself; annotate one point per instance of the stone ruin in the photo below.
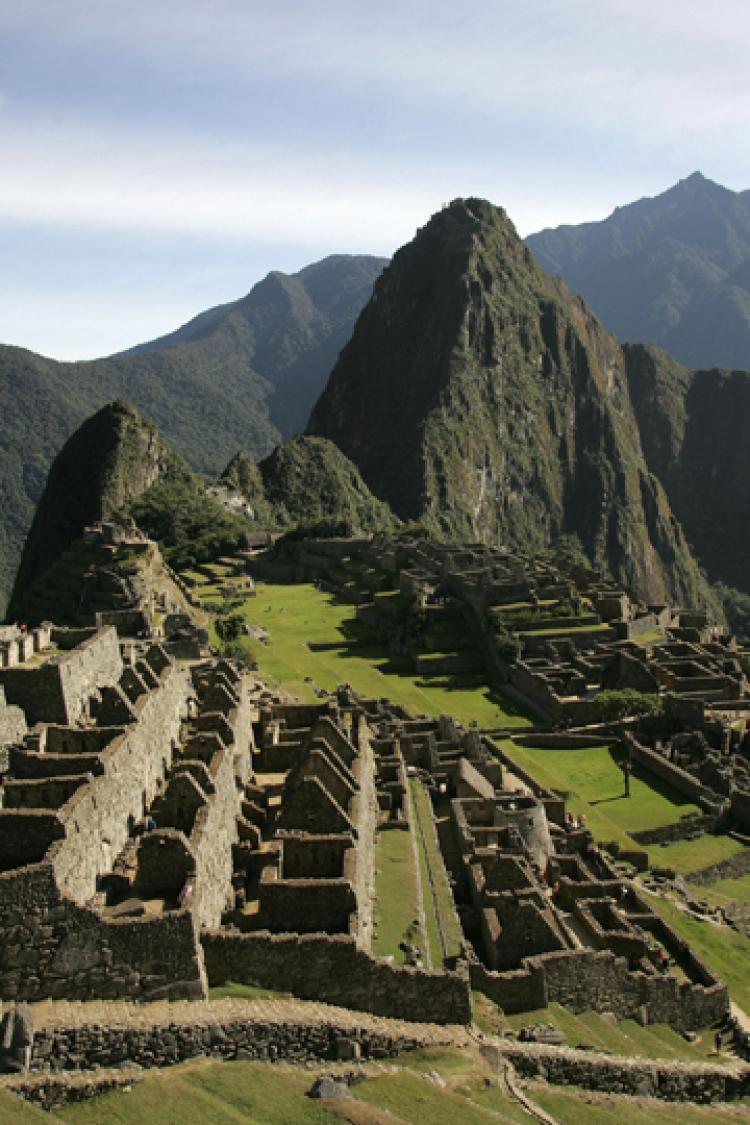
(169, 825)
(574, 634)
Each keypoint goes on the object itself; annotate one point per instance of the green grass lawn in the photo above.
(203, 1093)
(396, 894)
(692, 855)
(410, 1098)
(300, 615)
(232, 990)
(726, 890)
(594, 782)
(656, 1041)
(220, 1093)
(15, 1111)
(723, 949)
(649, 637)
(438, 904)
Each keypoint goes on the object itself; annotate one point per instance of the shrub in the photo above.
(627, 701)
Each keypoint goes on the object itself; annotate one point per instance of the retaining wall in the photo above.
(332, 969)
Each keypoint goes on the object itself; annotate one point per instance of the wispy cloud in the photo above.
(291, 130)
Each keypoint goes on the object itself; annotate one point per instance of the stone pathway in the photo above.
(56, 1014)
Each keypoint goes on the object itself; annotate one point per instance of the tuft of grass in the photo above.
(232, 990)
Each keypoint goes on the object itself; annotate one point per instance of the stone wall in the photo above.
(51, 947)
(308, 905)
(334, 970)
(96, 817)
(58, 691)
(638, 1077)
(678, 778)
(102, 1045)
(12, 722)
(733, 868)
(683, 829)
(584, 980)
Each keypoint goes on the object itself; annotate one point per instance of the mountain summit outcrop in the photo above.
(479, 396)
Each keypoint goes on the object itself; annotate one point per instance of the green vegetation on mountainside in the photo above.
(695, 427)
(115, 466)
(674, 269)
(189, 525)
(478, 396)
(241, 376)
(118, 466)
(308, 480)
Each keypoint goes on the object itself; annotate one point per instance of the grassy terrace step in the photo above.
(401, 1092)
(395, 894)
(626, 1037)
(438, 899)
(298, 615)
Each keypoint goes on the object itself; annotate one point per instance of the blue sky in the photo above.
(160, 157)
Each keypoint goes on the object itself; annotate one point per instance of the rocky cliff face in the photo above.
(695, 432)
(479, 396)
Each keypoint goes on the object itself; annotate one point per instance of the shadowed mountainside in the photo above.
(480, 397)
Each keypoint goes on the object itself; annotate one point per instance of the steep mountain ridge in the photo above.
(673, 270)
(108, 463)
(695, 431)
(241, 375)
(479, 396)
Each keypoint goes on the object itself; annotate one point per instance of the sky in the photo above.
(161, 156)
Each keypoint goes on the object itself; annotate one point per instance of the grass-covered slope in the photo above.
(479, 396)
(309, 481)
(241, 376)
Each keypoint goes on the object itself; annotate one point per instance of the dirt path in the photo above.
(51, 1014)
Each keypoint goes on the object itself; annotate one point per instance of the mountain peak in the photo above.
(479, 397)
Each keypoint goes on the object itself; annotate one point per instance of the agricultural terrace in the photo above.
(314, 641)
(593, 784)
(404, 1091)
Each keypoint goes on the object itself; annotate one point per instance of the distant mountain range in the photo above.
(242, 376)
(673, 271)
(440, 399)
